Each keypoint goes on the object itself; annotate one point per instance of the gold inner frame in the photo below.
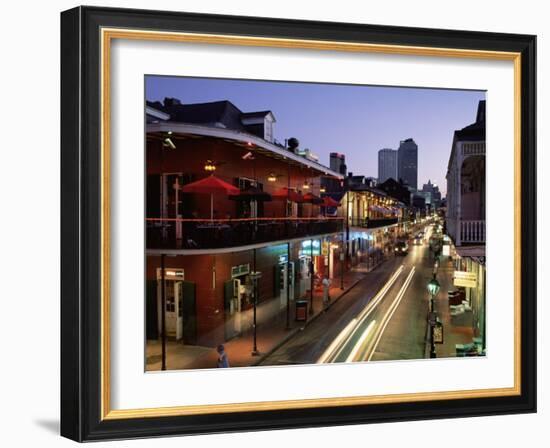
(107, 35)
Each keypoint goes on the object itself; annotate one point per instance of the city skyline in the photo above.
(377, 117)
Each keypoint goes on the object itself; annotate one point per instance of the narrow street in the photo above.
(383, 317)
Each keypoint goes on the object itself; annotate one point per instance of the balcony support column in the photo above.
(288, 275)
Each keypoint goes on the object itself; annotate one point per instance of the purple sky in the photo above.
(354, 120)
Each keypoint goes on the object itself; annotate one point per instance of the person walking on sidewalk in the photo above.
(326, 292)
(223, 361)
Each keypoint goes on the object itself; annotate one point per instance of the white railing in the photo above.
(473, 149)
(472, 231)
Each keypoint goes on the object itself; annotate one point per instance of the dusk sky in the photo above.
(354, 120)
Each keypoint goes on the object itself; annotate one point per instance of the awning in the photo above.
(475, 252)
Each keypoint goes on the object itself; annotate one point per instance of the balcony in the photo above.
(473, 149)
(196, 234)
(373, 223)
(472, 232)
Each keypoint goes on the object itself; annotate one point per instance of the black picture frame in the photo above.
(81, 209)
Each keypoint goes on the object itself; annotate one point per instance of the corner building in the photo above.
(225, 201)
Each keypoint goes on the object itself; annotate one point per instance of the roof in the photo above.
(240, 138)
(364, 187)
(474, 132)
(261, 113)
(216, 112)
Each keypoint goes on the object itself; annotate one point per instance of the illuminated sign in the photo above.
(242, 269)
(170, 274)
(311, 247)
(438, 333)
(465, 279)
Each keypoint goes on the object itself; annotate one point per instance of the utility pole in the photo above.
(163, 312)
(311, 270)
(288, 276)
(255, 276)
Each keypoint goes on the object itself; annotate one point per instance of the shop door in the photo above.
(304, 275)
(232, 289)
(172, 293)
(282, 280)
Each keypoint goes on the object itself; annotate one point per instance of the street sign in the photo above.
(170, 274)
(438, 333)
(465, 279)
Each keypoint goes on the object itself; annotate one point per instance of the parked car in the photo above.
(401, 248)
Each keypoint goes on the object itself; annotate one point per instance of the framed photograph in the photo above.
(269, 223)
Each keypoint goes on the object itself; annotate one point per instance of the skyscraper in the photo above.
(387, 164)
(338, 162)
(407, 162)
(433, 189)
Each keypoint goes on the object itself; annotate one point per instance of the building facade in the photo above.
(466, 183)
(465, 215)
(407, 162)
(233, 220)
(374, 221)
(387, 165)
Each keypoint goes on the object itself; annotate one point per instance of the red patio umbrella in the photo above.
(329, 202)
(282, 194)
(310, 197)
(210, 185)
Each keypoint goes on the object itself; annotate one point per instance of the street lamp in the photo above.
(209, 166)
(255, 276)
(433, 290)
(433, 286)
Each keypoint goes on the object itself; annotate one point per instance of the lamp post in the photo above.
(163, 315)
(433, 290)
(255, 276)
(311, 270)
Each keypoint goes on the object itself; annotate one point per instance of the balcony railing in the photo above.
(472, 232)
(473, 149)
(178, 233)
(370, 223)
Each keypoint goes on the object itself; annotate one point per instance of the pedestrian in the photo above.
(223, 361)
(326, 291)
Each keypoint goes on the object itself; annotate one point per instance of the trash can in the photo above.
(301, 310)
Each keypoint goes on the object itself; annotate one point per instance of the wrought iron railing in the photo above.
(472, 231)
(175, 233)
(373, 223)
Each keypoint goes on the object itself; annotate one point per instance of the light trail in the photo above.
(343, 338)
(332, 347)
(389, 314)
(360, 342)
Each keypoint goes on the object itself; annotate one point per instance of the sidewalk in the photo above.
(457, 329)
(272, 331)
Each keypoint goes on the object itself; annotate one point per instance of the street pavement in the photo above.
(404, 337)
(307, 346)
(384, 317)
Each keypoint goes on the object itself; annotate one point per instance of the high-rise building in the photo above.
(338, 162)
(407, 162)
(387, 164)
(435, 194)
